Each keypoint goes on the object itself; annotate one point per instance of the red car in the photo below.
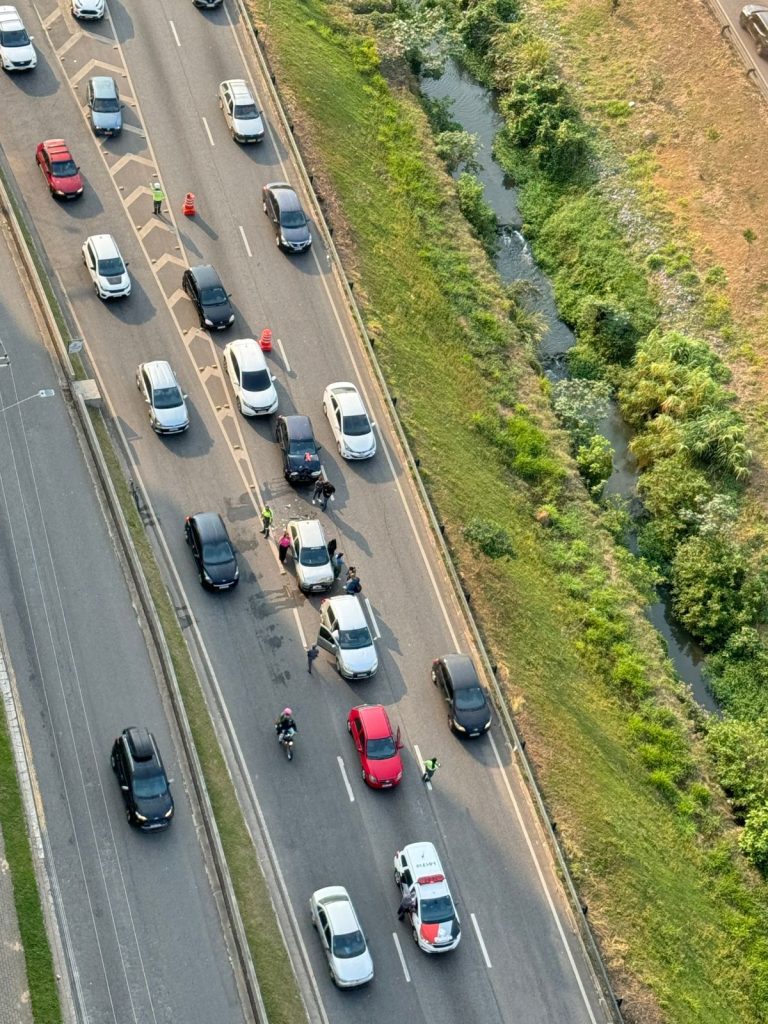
(377, 746)
(59, 169)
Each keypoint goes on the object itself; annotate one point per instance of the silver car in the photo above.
(344, 633)
(310, 555)
(344, 945)
(241, 112)
(167, 408)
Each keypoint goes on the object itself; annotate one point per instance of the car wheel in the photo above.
(338, 448)
(362, 774)
(325, 410)
(201, 578)
(349, 727)
(129, 816)
(415, 935)
(239, 404)
(113, 762)
(277, 241)
(333, 976)
(96, 289)
(264, 206)
(397, 878)
(434, 678)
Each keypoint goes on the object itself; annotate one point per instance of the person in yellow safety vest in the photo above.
(157, 196)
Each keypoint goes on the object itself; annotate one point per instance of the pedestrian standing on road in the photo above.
(407, 904)
(157, 197)
(266, 520)
(312, 653)
(430, 767)
(328, 492)
(353, 584)
(338, 564)
(332, 547)
(282, 546)
(317, 493)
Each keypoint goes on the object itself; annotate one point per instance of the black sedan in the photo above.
(300, 451)
(754, 19)
(139, 769)
(203, 285)
(212, 550)
(469, 711)
(284, 209)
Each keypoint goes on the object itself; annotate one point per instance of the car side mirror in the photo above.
(147, 401)
(124, 789)
(185, 396)
(122, 105)
(127, 263)
(171, 782)
(272, 376)
(319, 447)
(77, 169)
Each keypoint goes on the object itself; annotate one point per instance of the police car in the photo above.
(434, 920)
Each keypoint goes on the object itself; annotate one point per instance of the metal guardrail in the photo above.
(610, 1002)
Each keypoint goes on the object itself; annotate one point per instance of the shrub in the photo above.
(482, 19)
(718, 438)
(580, 405)
(584, 363)
(671, 489)
(594, 461)
(608, 328)
(629, 675)
(739, 750)
(457, 148)
(738, 674)
(492, 539)
(477, 211)
(524, 448)
(754, 839)
(714, 592)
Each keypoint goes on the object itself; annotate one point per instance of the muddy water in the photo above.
(474, 108)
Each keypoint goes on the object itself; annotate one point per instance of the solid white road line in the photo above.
(343, 771)
(208, 131)
(402, 958)
(480, 940)
(298, 626)
(376, 633)
(544, 886)
(175, 33)
(285, 357)
(420, 759)
(245, 242)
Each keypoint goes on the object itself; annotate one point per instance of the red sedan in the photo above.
(377, 746)
(59, 169)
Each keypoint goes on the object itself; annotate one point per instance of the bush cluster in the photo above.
(524, 449)
(740, 752)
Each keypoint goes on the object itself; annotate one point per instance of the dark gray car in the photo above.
(105, 111)
(282, 206)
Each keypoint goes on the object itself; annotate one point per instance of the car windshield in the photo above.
(354, 639)
(246, 111)
(149, 786)
(436, 910)
(64, 168)
(112, 267)
(256, 380)
(14, 37)
(217, 552)
(292, 218)
(303, 447)
(349, 945)
(106, 105)
(314, 556)
(470, 699)
(355, 426)
(213, 296)
(168, 398)
(378, 750)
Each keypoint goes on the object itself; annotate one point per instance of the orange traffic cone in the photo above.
(266, 340)
(188, 209)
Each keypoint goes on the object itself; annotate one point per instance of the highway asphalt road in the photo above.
(519, 959)
(138, 918)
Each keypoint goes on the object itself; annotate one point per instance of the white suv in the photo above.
(88, 10)
(241, 112)
(16, 50)
(435, 923)
(251, 381)
(344, 633)
(106, 266)
(310, 555)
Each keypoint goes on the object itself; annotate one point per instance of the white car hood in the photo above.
(170, 418)
(363, 444)
(248, 126)
(259, 399)
(313, 575)
(354, 969)
(18, 54)
(361, 659)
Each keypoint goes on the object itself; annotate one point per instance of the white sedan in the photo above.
(349, 421)
(344, 945)
(251, 381)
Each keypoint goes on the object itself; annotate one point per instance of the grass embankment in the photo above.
(41, 980)
(273, 968)
(678, 919)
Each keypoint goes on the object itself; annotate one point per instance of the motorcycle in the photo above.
(285, 739)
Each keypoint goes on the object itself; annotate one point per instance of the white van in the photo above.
(344, 633)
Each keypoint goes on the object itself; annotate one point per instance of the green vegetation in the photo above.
(43, 992)
(679, 916)
(273, 968)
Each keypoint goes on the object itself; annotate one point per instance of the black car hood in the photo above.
(155, 808)
(304, 467)
(295, 236)
(218, 313)
(223, 572)
(473, 720)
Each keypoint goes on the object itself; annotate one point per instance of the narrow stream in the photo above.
(474, 108)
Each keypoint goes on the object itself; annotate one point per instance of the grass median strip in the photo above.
(273, 967)
(43, 992)
(679, 918)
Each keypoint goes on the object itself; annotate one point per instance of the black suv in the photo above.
(212, 550)
(469, 709)
(301, 458)
(139, 768)
(282, 206)
(203, 285)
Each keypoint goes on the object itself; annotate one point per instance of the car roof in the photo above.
(377, 724)
(348, 611)
(249, 353)
(239, 89)
(105, 246)
(299, 428)
(160, 373)
(140, 743)
(348, 397)
(205, 274)
(285, 195)
(210, 525)
(104, 86)
(10, 18)
(338, 906)
(310, 532)
(57, 147)
(426, 869)
(461, 669)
